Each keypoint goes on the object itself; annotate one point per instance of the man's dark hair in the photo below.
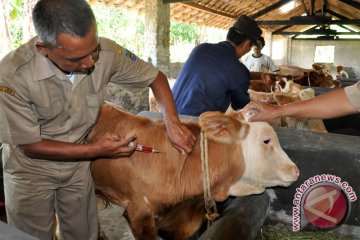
(236, 37)
(52, 17)
(262, 40)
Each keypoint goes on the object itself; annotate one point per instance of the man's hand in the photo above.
(181, 137)
(113, 145)
(110, 145)
(264, 111)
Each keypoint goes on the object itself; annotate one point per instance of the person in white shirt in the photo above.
(258, 62)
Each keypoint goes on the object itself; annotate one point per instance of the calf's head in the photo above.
(266, 163)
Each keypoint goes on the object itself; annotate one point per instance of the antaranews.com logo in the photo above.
(324, 201)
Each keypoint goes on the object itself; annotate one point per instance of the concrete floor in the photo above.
(112, 223)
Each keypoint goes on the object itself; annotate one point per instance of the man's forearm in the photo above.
(329, 105)
(164, 97)
(56, 150)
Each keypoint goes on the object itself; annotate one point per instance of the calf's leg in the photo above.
(142, 223)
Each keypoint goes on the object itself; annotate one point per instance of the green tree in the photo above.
(124, 27)
(183, 33)
(11, 24)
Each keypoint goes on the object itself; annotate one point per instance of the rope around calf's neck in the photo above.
(210, 205)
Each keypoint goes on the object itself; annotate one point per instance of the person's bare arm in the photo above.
(180, 136)
(109, 145)
(328, 105)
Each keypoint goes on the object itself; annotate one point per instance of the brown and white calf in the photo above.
(244, 158)
(309, 77)
(329, 69)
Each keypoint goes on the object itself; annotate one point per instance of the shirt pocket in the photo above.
(48, 113)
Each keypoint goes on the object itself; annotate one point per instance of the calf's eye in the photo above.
(267, 140)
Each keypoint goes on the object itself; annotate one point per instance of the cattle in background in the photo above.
(290, 86)
(285, 98)
(265, 82)
(270, 82)
(287, 87)
(329, 69)
(244, 158)
(308, 77)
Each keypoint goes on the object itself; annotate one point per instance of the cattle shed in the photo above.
(292, 38)
(292, 29)
(296, 32)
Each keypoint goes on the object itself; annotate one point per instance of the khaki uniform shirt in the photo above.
(353, 93)
(38, 101)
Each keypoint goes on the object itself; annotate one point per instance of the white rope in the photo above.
(210, 206)
(308, 78)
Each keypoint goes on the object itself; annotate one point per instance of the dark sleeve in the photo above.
(239, 92)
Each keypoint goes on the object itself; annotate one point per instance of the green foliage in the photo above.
(15, 8)
(125, 28)
(183, 33)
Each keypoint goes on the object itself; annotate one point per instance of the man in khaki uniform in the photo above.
(51, 89)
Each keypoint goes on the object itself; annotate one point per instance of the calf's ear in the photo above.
(318, 66)
(222, 128)
(339, 68)
(282, 99)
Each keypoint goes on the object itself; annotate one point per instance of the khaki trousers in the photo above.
(35, 189)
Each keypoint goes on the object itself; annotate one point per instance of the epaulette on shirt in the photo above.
(107, 44)
(15, 60)
(110, 45)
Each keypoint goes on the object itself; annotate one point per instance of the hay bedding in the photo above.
(282, 231)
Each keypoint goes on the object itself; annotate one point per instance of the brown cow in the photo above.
(243, 159)
(266, 82)
(308, 77)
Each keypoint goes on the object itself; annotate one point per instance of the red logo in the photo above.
(325, 206)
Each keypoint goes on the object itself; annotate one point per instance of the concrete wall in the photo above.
(175, 68)
(347, 53)
(302, 52)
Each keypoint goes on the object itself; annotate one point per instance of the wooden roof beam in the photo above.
(270, 8)
(280, 29)
(310, 22)
(335, 14)
(314, 33)
(198, 6)
(340, 17)
(122, 4)
(305, 8)
(110, 3)
(351, 3)
(179, 1)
